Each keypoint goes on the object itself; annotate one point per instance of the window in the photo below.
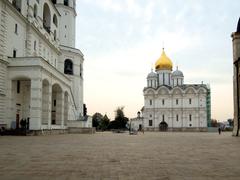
(54, 103)
(55, 35)
(35, 45)
(18, 87)
(14, 53)
(163, 117)
(190, 125)
(150, 122)
(55, 20)
(54, 1)
(176, 101)
(68, 67)
(190, 101)
(66, 2)
(81, 70)
(163, 102)
(35, 11)
(177, 117)
(46, 18)
(16, 29)
(150, 102)
(150, 115)
(190, 117)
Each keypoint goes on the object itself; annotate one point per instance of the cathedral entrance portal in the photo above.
(163, 126)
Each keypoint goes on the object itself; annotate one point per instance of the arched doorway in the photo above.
(57, 105)
(45, 102)
(163, 126)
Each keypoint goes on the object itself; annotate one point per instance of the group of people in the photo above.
(24, 123)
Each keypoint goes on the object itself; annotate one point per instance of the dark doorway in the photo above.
(163, 126)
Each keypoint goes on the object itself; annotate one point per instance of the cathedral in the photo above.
(41, 71)
(169, 104)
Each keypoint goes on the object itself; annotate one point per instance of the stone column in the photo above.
(36, 104)
(60, 108)
(50, 106)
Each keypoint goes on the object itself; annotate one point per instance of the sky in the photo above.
(122, 39)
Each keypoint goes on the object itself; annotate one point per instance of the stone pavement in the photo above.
(108, 155)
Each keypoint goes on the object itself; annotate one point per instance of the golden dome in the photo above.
(163, 63)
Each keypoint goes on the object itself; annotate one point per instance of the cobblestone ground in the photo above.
(121, 156)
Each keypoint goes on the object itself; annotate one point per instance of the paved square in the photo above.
(121, 156)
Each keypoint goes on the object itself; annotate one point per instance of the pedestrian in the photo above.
(219, 130)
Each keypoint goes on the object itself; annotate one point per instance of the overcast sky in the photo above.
(122, 39)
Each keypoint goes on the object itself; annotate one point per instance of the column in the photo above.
(36, 104)
(50, 106)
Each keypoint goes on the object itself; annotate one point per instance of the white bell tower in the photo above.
(67, 22)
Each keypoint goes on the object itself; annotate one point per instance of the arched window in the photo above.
(68, 67)
(55, 20)
(54, 1)
(35, 11)
(66, 2)
(46, 18)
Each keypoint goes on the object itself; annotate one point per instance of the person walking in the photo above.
(219, 130)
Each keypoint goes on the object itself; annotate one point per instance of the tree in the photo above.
(214, 123)
(120, 119)
(104, 123)
(96, 120)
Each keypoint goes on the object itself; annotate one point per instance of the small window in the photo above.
(16, 29)
(150, 115)
(35, 11)
(65, 26)
(54, 1)
(35, 45)
(150, 102)
(190, 101)
(190, 125)
(55, 20)
(176, 101)
(190, 117)
(81, 69)
(177, 117)
(54, 103)
(66, 2)
(18, 87)
(163, 117)
(150, 123)
(14, 53)
(55, 35)
(163, 102)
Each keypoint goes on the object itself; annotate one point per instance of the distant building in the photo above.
(236, 78)
(169, 104)
(41, 71)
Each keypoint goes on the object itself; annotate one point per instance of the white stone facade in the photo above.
(41, 71)
(167, 99)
